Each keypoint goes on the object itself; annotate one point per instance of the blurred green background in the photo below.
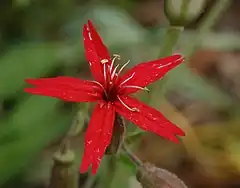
(43, 38)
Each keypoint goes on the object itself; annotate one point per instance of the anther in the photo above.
(129, 108)
(103, 61)
(127, 79)
(137, 87)
(116, 55)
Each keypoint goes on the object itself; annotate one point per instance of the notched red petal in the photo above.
(100, 48)
(92, 55)
(98, 136)
(148, 72)
(65, 88)
(148, 118)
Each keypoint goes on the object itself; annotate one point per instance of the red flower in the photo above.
(111, 92)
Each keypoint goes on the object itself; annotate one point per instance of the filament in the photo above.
(123, 67)
(104, 72)
(127, 79)
(137, 87)
(114, 71)
(131, 109)
(93, 81)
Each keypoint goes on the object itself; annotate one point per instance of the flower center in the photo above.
(111, 74)
(110, 94)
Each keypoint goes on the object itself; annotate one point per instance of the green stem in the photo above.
(131, 155)
(90, 181)
(173, 33)
(170, 40)
(111, 170)
(208, 22)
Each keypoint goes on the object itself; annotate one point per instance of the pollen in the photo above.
(103, 61)
(116, 55)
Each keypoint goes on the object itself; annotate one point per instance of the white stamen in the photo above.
(123, 67)
(115, 56)
(103, 61)
(114, 71)
(131, 109)
(99, 85)
(127, 79)
(137, 87)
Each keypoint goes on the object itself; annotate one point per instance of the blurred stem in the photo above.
(111, 169)
(208, 22)
(90, 181)
(131, 155)
(170, 40)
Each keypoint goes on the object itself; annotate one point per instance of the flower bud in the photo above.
(117, 136)
(151, 176)
(182, 12)
(63, 173)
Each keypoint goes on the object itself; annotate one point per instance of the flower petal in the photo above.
(145, 73)
(148, 118)
(92, 56)
(65, 88)
(100, 48)
(98, 136)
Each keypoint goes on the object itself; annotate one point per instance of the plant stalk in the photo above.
(131, 155)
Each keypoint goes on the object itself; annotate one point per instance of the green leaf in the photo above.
(120, 33)
(134, 136)
(23, 61)
(16, 155)
(181, 77)
(115, 26)
(32, 109)
(127, 162)
(122, 174)
(35, 122)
